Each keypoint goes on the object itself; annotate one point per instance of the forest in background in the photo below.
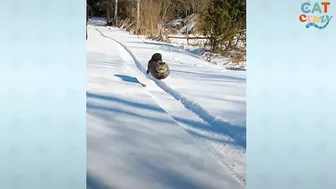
(222, 23)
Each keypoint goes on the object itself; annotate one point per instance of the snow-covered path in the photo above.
(143, 137)
(221, 92)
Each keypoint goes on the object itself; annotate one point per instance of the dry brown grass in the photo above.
(237, 56)
(149, 16)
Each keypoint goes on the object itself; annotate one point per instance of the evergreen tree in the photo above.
(223, 20)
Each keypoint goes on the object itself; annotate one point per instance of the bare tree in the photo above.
(116, 12)
(164, 9)
(138, 18)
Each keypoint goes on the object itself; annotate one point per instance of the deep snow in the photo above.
(188, 131)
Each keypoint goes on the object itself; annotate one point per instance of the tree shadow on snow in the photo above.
(238, 134)
(126, 102)
(168, 177)
(93, 182)
(127, 78)
(171, 48)
(163, 168)
(219, 76)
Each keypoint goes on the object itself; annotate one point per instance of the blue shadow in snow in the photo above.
(170, 178)
(155, 43)
(238, 134)
(221, 76)
(91, 106)
(127, 78)
(127, 102)
(172, 48)
(94, 183)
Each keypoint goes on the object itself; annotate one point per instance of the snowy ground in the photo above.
(188, 131)
(196, 46)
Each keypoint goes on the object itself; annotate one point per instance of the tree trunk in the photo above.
(161, 36)
(228, 47)
(116, 13)
(138, 18)
(187, 33)
(187, 21)
(108, 16)
(213, 42)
